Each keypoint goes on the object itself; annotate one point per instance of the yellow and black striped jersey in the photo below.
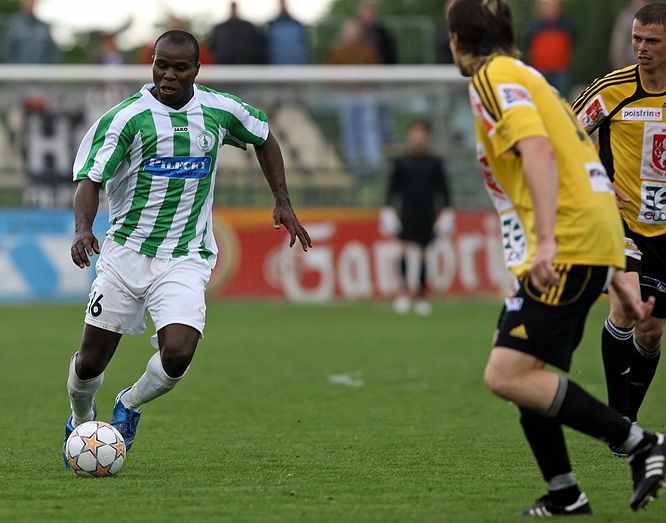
(512, 101)
(632, 143)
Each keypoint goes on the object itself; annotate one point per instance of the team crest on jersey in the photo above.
(593, 113)
(205, 141)
(653, 157)
(659, 151)
(513, 95)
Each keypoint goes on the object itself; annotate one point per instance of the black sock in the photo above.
(546, 439)
(403, 272)
(616, 349)
(575, 408)
(422, 279)
(643, 366)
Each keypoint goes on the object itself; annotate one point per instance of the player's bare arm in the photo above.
(272, 165)
(86, 202)
(540, 171)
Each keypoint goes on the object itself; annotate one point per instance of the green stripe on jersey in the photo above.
(174, 192)
(203, 188)
(229, 121)
(143, 183)
(100, 134)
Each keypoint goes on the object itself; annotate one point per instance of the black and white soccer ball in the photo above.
(95, 449)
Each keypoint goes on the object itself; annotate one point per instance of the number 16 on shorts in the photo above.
(94, 305)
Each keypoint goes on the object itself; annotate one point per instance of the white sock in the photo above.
(154, 382)
(82, 394)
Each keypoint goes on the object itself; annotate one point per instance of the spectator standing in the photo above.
(621, 49)
(286, 39)
(550, 44)
(237, 41)
(375, 33)
(379, 38)
(27, 39)
(359, 115)
(108, 51)
(418, 207)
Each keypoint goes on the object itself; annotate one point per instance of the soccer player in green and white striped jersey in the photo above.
(155, 155)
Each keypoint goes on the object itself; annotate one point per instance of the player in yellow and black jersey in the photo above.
(562, 239)
(628, 108)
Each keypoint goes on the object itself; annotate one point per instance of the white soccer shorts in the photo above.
(129, 285)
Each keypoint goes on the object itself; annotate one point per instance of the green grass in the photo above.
(256, 432)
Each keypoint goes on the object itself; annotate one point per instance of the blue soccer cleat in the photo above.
(69, 428)
(125, 420)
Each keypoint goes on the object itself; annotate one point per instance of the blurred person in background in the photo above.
(27, 39)
(376, 34)
(359, 114)
(379, 38)
(175, 23)
(621, 49)
(443, 39)
(109, 54)
(550, 44)
(418, 208)
(628, 107)
(286, 39)
(563, 241)
(237, 42)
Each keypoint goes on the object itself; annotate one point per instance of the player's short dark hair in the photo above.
(483, 26)
(652, 14)
(178, 37)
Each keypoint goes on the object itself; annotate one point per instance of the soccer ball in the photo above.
(95, 449)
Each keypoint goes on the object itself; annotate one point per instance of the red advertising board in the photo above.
(350, 259)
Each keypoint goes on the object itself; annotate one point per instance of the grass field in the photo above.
(338, 413)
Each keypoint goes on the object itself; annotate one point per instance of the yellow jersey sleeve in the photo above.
(503, 89)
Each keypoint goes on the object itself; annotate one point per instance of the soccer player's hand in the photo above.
(283, 214)
(630, 298)
(620, 197)
(84, 245)
(542, 273)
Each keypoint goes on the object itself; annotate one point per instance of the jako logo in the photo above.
(188, 167)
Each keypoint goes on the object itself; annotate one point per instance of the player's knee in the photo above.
(176, 358)
(650, 338)
(496, 380)
(89, 365)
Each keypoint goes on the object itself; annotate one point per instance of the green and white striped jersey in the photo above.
(158, 166)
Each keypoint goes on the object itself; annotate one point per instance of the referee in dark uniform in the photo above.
(417, 209)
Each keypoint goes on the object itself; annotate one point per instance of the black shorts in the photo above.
(646, 255)
(420, 232)
(550, 326)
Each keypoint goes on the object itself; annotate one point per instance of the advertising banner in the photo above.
(350, 260)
